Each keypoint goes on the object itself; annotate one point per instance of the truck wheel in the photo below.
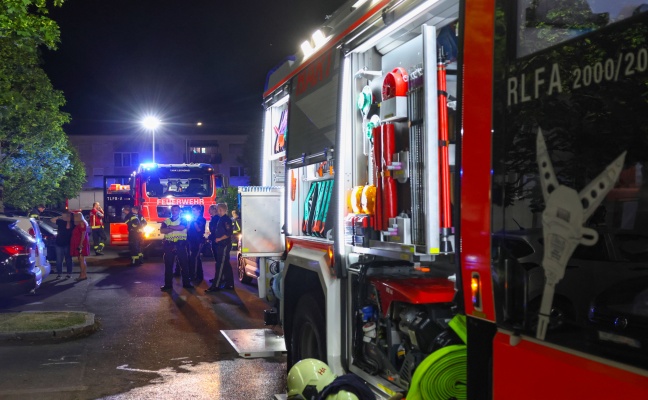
(308, 339)
(242, 276)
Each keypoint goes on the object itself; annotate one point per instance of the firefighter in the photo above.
(135, 224)
(224, 278)
(236, 228)
(98, 232)
(175, 245)
(37, 211)
(196, 239)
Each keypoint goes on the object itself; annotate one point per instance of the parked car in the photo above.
(18, 271)
(619, 317)
(49, 237)
(31, 226)
(615, 257)
(47, 215)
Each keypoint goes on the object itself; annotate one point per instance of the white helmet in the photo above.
(307, 378)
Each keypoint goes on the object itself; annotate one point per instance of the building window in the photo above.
(237, 171)
(126, 159)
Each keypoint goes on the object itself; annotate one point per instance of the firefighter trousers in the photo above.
(135, 247)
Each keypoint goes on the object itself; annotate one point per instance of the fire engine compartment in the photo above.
(391, 160)
(364, 141)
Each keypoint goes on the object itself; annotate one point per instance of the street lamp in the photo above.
(151, 123)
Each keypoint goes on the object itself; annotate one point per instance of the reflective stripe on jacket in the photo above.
(174, 236)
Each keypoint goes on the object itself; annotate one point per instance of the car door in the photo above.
(41, 257)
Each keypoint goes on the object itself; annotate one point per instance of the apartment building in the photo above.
(120, 154)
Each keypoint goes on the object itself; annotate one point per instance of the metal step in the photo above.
(255, 343)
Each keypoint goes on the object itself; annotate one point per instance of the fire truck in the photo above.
(461, 198)
(156, 187)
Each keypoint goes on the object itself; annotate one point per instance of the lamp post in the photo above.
(151, 123)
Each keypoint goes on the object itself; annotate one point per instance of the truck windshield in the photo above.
(179, 184)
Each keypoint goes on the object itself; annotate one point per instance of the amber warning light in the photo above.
(475, 289)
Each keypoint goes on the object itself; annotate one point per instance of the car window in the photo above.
(12, 234)
(8, 235)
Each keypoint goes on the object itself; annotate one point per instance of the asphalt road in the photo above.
(151, 344)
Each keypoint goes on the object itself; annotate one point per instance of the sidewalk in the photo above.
(46, 315)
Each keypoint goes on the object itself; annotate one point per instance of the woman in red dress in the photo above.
(80, 244)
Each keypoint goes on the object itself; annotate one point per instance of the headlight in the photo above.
(148, 230)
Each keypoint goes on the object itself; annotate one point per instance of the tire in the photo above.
(308, 338)
(242, 276)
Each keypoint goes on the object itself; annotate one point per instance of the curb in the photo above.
(89, 326)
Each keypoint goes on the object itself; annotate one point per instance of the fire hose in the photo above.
(442, 375)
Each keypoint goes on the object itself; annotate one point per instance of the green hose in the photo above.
(442, 375)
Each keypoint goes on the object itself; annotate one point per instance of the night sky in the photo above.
(186, 60)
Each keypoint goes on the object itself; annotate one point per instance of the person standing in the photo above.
(213, 222)
(236, 228)
(196, 239)
(64, 228)
(124, 212)
(98, 232)
(135, 224)
(224, 278)
(175, 245)
(80, 244)
(37, 211)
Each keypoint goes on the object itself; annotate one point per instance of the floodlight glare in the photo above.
(151, 122)
(307, 48)
(319, 38)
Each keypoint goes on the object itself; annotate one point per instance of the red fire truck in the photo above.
(463, 198)
(156, 187)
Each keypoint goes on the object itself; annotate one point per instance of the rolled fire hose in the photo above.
(442, 375)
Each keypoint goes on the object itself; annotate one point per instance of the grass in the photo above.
(39, 321)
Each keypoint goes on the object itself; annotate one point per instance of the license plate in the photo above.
(613, 337)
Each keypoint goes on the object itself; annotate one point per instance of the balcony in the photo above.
(207, 158)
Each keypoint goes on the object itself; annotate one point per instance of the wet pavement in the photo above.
(151, 344)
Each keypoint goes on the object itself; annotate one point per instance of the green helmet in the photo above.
(342, 395)
(307, 378)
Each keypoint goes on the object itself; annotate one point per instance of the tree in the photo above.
(229, 196)
(35, 156)
(24, 22)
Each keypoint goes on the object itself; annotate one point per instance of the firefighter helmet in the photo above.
(342, 395)
(308, 377)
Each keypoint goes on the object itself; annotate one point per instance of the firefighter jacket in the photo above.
(135, 223)
(96, 219)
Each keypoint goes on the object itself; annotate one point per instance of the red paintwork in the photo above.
(413, 291)
(533, 371)
(331, 43)
(118, 234)
(529, 370)
(476, 152)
